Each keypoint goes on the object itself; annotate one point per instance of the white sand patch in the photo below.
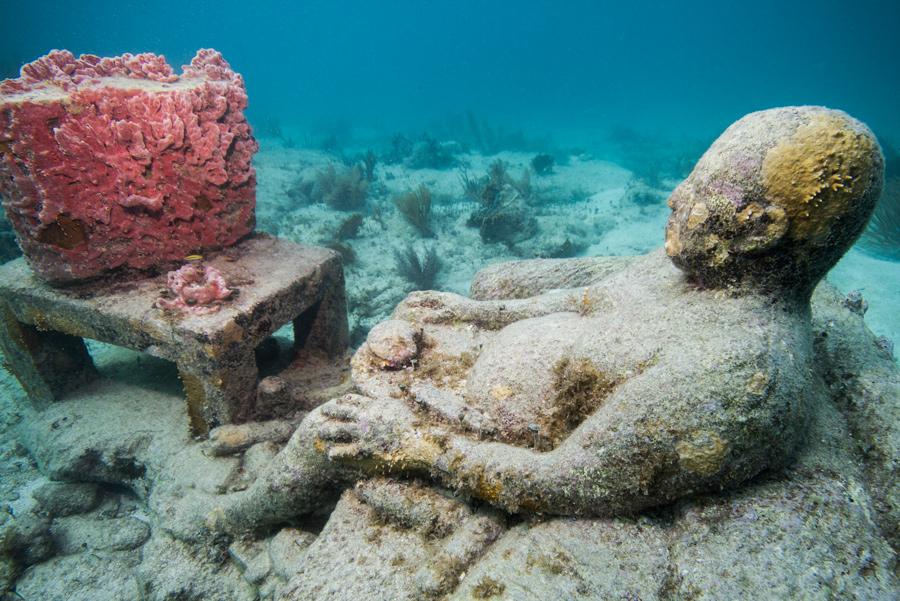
(879, 282)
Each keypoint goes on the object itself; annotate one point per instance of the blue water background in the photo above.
(573, 70)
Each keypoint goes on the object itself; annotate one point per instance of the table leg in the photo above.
(323, 326)
(219, 394)
(48, 364)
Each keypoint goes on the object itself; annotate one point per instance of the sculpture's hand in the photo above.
(373, 433)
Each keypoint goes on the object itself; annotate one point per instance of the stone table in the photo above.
(42, 328)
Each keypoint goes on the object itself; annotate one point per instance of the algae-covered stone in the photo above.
(384, 541)
(170, 569)
(91, 533)
(81, 577)
(287, 549)
(572, 559)
(393, 343)
(61, 499)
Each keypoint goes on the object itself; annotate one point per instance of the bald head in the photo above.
(776, 200)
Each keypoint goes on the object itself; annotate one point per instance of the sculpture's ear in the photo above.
(759, 228)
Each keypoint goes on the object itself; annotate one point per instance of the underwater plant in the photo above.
(419, 270)
(9, 248)
(344, 191)
(269, 127)
(348, 255)
(542, 164)
(428, 153)
(401, 147)
(638, 192)
(501, 216)
(653, 158)
(415, 206)
(369, 160)
(882, 236)
(476, 133)
(349, 227)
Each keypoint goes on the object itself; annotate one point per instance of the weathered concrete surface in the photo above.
(394, 540)
(279, 282)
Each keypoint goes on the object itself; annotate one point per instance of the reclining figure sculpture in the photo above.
(606, 390)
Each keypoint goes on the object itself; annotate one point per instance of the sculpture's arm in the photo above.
(430, 307)
(522, 279)
(654, 440)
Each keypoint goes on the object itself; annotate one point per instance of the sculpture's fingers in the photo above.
(340, 412)
(351, 400)
(338, 431)
(344, 452)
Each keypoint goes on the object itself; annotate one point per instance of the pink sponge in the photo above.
(196, 289)
(119, 162)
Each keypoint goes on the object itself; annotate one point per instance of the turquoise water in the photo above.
(572, 70)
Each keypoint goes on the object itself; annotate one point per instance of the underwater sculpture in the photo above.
(120, 162)
(627, 385)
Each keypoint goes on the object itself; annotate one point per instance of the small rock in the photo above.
(252, 559)
(856, 303)
(287, 550)
(272, 393)
(79, 533)
(886, 345)
(393, 342)
(259, 456)
(82, 577)
(60, 499)
(234, 438)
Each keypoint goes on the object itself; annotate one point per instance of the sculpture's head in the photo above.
(776, 200)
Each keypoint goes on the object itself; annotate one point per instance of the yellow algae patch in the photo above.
(232, 436)
(815, 175)
(487, 489)
(232, 334)
(501, 392)
(195, 395)
(703, 453)
(699, 214)
(673, 242)
(757, 383)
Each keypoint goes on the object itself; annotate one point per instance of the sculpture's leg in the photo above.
(48, 364)
(222, 393)
(323, 326)
(296, 482)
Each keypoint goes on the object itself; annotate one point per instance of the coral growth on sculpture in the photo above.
(120, 162)
(196, 289)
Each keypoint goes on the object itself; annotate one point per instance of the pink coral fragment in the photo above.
(197, 289)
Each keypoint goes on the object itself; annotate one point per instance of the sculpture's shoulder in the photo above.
(522, 279)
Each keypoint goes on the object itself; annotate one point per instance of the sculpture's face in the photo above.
(710, 231)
